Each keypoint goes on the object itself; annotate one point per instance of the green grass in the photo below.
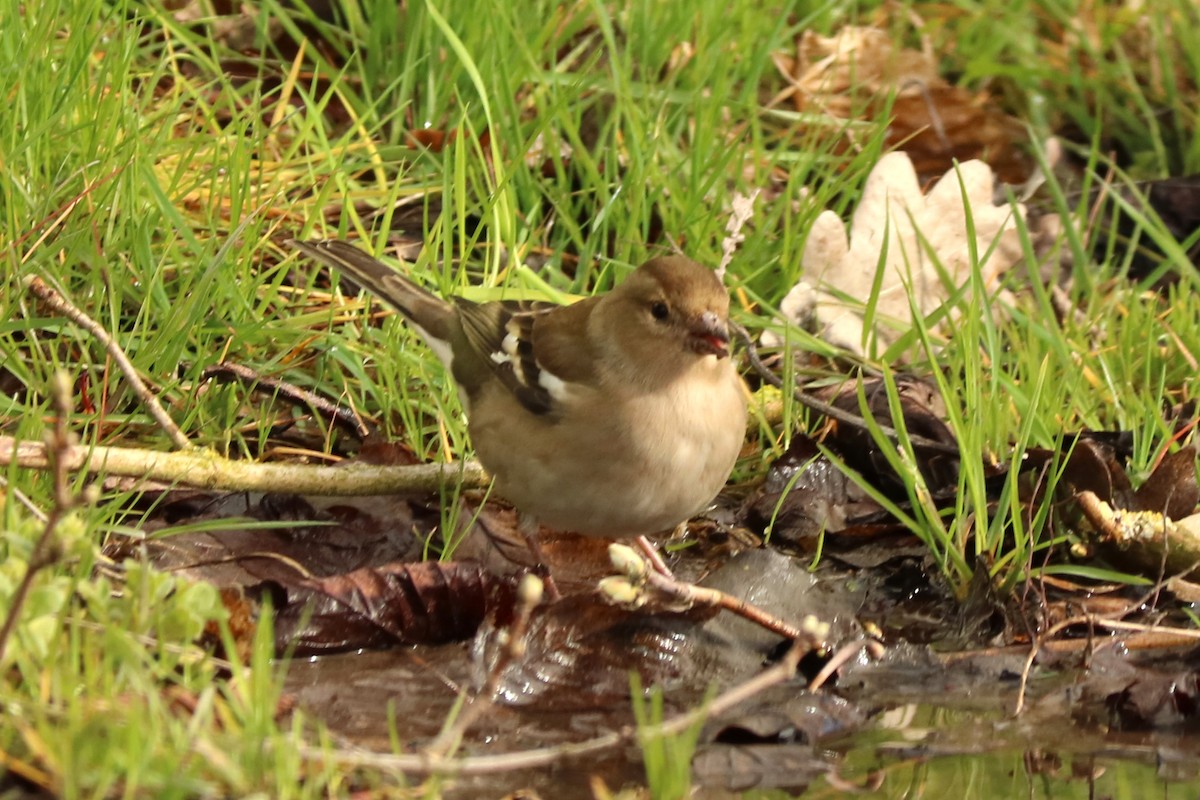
(150, 168)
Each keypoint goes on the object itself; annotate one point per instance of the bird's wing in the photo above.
(537, 350)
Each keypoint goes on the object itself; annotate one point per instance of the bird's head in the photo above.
(668, 313)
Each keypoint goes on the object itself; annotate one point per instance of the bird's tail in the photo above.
(429, 312)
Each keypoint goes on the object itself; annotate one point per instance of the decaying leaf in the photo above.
(1156, 698)
(861, 72)
(922, 245)
(830, 70)
(427, 602)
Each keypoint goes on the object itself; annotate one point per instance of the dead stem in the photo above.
(828, 410)
(781, 672)
(346, 417)
(46, 550)
(637, 575)
(1111, 621)
(842, 656)
(23, 499)
(529, 595)
(63, 306)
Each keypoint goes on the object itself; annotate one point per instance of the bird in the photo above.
(617, 416)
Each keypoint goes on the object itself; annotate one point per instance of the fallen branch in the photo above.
(205, 469)
(1147, 540)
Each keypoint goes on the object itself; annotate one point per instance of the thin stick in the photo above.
(1111, 621)
(23, 499)
(843, 655)
(693, 595)
(46, 551)
(529, 595)
(63, 306)
(831, 411)
(292, 393)
(637, 575)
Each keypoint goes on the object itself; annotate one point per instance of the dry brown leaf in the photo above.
(860, 72)
(832, 71)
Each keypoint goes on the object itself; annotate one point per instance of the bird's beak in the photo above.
(709, 335)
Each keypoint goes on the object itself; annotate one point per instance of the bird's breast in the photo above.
(616, 464)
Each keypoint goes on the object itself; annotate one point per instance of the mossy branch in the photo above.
(205, 469)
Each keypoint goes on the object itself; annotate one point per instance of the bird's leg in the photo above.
(528, 526)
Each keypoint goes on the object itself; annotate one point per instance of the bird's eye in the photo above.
(659, 311)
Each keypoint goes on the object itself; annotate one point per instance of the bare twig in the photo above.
(638, 576)
(292, 393)
(779, 673)
(23, 499)
(842, 656)
(46, 549)
(529, 595)
(1109, 621)
(831, 411)
(1141, 637)
(63, 306)
(206, 470)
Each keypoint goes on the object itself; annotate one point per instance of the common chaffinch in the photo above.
(618, 415)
